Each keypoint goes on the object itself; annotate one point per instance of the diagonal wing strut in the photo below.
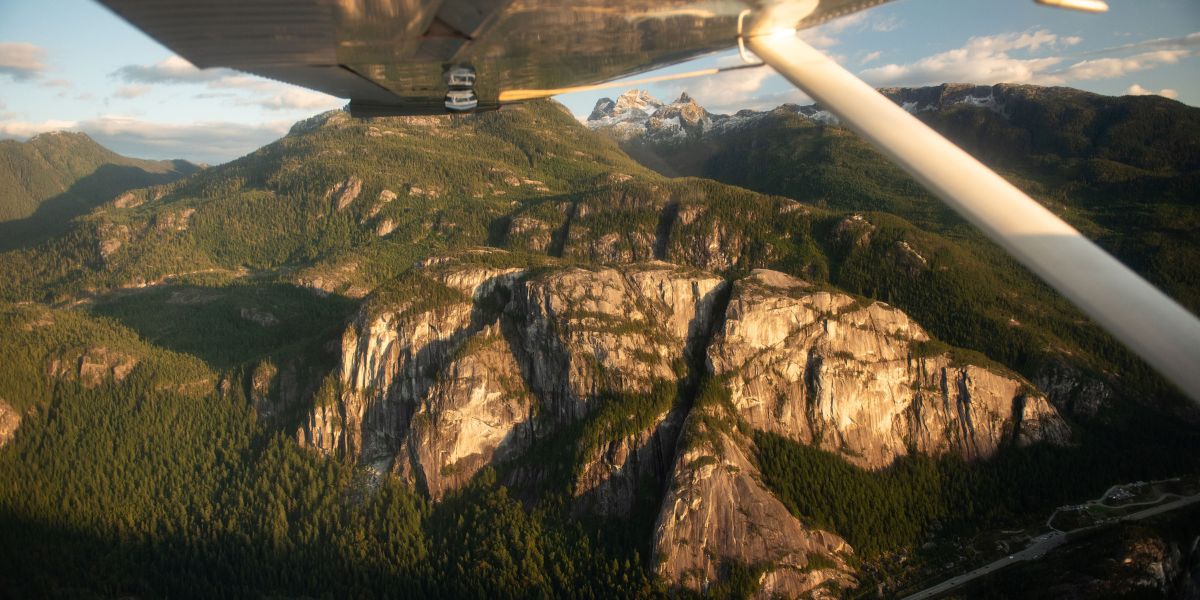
(1158, 329)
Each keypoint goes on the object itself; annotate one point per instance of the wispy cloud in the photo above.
(21, 60)
(174, 69)
(241, 89)
(1109, 68)
(297, 99)
(132, 90)
(1032, 57)
(982, 59)
(24, 129)
(1190, 40)
(828, 34)
(728, 91)
(1137, 90)
(209, 142)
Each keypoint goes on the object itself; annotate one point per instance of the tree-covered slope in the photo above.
(1122, 169)
(494, 356)
(56, 176)
(342, 203)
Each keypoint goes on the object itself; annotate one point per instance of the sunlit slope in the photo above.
(53, 177)
(1125, 170)
(356, 201)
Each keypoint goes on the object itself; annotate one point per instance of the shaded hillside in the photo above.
(494, 356)
(56, 176)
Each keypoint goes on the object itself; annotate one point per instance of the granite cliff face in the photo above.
(860, 378)
(466, 364)
(435, 391)
(717, 513)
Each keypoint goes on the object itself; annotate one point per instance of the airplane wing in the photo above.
(389, 56)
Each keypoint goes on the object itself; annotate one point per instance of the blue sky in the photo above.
(71, 64)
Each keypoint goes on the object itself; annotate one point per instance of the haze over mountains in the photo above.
(508, 355)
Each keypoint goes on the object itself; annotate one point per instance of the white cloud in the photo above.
(819, 39)
(870, 57)
(1190, 40)
(885, 24)
(132, 90)
(729, 91)
(25, 129)
(246, 82)
(240, 89)
(1109, 68)
(21, 60)
(297, 99)
(1137, 90)
(174, 69)
(984, 59)
(1023, 57)
(210, 142)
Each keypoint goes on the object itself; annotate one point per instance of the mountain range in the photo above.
(56, 176)
(669, 352)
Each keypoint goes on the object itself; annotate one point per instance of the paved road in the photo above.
(1033, 552)
(1038, 549)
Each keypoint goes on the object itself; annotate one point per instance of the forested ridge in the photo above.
(161, 355)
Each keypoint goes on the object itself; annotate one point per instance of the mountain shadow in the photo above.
(53, 216)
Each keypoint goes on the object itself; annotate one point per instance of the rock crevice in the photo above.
(661, 373)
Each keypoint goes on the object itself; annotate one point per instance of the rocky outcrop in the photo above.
(345, 192)
(526, 232)
(435, 390)
(174, 220)
(259, 317)
(389, 360)
(10, 420)
(385, 227)
(275, 391)
(717, 514)
(860, 378)
(581, 332)
(619, 474)
(1073, 391)
(93, 366)
(127, 200)
(478, 412)
(468, 363)
(110, 238)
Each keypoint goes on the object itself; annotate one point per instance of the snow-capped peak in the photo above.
(637, 100)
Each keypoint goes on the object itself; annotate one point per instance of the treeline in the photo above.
(902, 505)
(130, 490)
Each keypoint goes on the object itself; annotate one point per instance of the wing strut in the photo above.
(1160, 331)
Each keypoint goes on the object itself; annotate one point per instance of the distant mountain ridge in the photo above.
(55, 176)
(1148, 132)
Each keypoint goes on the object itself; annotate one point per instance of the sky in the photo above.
(71, 64)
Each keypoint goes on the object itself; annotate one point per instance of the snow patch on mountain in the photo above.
(637, 114)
